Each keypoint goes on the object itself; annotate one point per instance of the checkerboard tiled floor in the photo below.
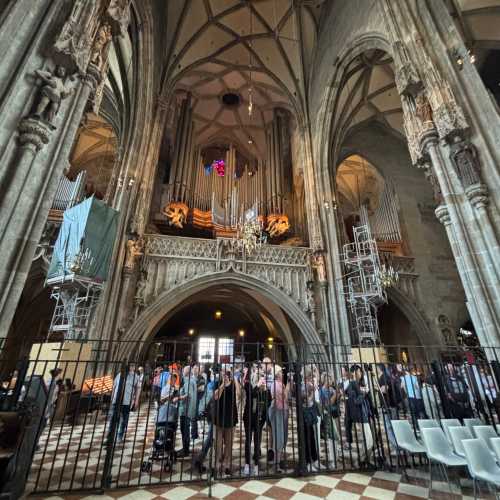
(351, 486)
(72, 458)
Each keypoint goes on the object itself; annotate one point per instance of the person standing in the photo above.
(125, 404)
(357, 406)
(256, 396)
(226, 418)
(412, 389)
(188, 405)
(278, 416)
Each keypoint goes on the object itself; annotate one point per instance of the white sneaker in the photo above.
(317, 465)
(312, 468)
(246, 470)
(255, 470)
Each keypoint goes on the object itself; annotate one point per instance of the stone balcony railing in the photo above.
(170, 261)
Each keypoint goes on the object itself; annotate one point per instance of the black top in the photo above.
(227, 413)
(257, 401)
(356, 404)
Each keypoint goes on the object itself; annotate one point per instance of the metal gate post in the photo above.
(115, 419)
(299, 408)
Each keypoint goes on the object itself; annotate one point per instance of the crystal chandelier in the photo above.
(388, 276)
(249, 235)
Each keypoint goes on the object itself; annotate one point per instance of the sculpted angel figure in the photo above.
(53, 90)
(103, 37)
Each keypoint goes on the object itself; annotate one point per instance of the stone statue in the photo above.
(53, 90)
(463, 155)
(101, 41)
(319, 266)
(140, 293)
(134, 248)
(423, 109)
(311, 304)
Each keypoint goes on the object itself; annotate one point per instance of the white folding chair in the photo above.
(458, 434)
(485, 433)
(446, 423)
(428, 423)
(480, 464)
(440, 451)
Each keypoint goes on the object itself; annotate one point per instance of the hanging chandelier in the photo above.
(387, 276)
(249, 235)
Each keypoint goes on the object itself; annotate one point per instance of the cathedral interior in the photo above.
(240, 143)
(279, 176)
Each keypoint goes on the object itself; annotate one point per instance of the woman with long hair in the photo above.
(278, 416)
(226, 418)
(357, 405)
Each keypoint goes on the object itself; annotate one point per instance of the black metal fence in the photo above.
(127, 414)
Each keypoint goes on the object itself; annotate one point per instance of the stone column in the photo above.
(479, 288)
(39, 124)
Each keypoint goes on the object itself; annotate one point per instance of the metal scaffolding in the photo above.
(76, 299)
(364, 290)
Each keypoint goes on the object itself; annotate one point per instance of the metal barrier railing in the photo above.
(131, 414)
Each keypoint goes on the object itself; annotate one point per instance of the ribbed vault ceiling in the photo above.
(368, 92)
(220, 46)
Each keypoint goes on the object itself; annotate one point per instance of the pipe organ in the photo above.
(214, 200)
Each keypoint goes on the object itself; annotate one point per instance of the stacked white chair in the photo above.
(405, 438)
(428, 423)
(470, 423)
(481, 466)
(495, 444)
(446, 423)
(440, 451)
(485, 433)
(458, 434)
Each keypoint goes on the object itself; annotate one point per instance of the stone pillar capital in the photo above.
(34, 133)
(443, 215)
(477, 195)
(429, 137)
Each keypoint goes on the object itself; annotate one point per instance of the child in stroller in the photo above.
(163, 447)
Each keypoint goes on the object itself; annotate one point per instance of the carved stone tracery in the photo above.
(172, 261)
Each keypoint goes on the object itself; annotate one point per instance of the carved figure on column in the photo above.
(319, 266)
(463, 155)
(101, 41)
(310, 302)
(423, 110)
(134, 248)
(53, 90)
(140, 293)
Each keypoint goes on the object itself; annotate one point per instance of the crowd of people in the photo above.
(342, 412)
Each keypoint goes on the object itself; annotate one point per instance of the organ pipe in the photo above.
(385, 220)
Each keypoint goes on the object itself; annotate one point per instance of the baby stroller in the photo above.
(163, 448)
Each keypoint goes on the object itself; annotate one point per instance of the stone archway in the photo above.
(158, 312)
